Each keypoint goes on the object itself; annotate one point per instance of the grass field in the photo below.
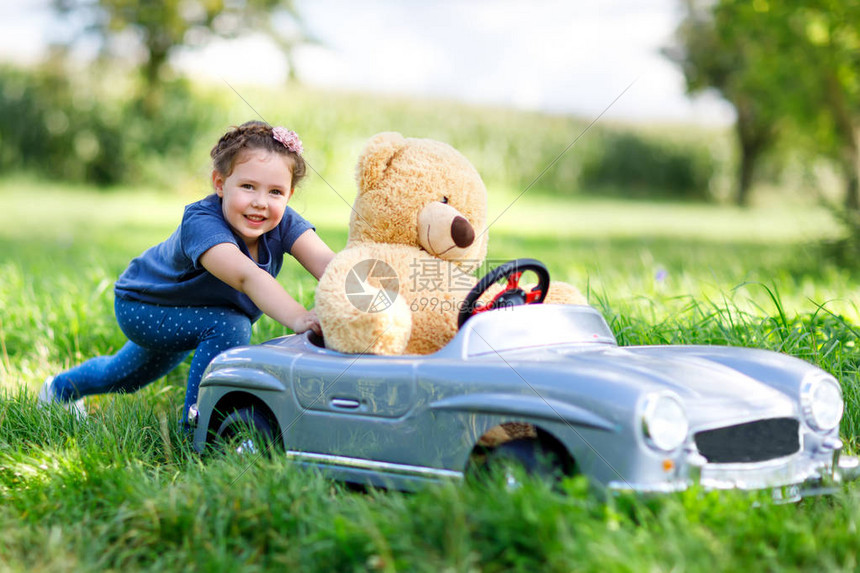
(122, 491)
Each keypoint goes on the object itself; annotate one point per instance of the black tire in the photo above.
(526, 455)
(246, 432)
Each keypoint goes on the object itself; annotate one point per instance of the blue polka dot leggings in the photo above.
(159, 338)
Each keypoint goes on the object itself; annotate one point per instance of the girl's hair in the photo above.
(252, 135)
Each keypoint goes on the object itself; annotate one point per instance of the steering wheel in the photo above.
(513, 295)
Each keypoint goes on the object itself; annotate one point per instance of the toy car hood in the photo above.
(575, 343)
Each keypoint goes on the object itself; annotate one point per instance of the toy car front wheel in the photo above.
(529, 456)
(245, 431)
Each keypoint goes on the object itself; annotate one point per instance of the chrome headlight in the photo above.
(821, 401)
(664, 423)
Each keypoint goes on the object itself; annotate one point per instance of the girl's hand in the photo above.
(229, 264)
(307, 321)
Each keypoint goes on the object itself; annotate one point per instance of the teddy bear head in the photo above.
(422, 193)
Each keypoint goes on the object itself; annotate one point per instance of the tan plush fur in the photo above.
(420, 210)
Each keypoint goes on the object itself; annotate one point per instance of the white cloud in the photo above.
(552, 54)
(252, 59)
(555, 55)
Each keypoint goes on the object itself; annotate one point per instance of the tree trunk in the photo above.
(848, 134)
(754, 136)
(852, 187)
(851, 169)
(152, 81)
(749, 159)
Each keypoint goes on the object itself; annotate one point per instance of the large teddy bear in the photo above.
(416, 235)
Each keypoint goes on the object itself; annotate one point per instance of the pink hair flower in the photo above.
(288, 138)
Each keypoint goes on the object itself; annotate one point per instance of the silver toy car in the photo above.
(546, 386)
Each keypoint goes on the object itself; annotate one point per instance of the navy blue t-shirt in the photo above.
(170, 273)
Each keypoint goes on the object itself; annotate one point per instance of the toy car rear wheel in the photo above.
(529, 456)
(246, 431)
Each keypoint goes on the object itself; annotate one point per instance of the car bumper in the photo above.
(787, 479)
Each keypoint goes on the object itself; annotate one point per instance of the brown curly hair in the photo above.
(252, 135)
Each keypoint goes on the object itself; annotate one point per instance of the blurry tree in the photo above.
(824, 42)
(158, 28)
(712, 55)
(797, 62)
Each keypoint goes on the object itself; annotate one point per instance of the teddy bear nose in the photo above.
(462, 232)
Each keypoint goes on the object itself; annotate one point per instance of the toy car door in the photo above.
(349, 406)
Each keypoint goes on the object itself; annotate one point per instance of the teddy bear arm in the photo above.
(564, 293)
(354, 313)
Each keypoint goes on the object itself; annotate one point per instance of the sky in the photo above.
(560, 56)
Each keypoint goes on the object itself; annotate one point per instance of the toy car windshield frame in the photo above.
(531, 326)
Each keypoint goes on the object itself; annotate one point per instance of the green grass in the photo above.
(122, 490)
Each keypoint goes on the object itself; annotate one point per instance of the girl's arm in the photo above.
(312, 253)
(229, 264)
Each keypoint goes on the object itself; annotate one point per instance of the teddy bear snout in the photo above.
(442, 230)
(462, 232)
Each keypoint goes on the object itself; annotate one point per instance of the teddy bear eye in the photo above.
(444, 199)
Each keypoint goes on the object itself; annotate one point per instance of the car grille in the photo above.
(751, 442)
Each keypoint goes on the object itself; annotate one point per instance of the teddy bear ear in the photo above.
(377, 157)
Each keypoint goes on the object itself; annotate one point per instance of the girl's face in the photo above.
(255, 194)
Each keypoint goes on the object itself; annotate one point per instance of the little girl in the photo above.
(204, 286)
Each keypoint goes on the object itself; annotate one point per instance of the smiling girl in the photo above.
(202, 288)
